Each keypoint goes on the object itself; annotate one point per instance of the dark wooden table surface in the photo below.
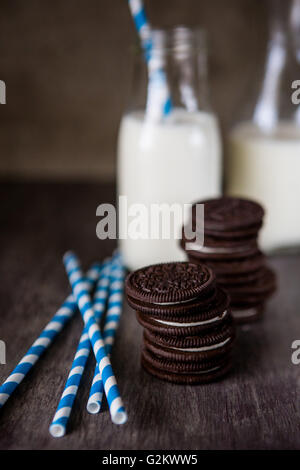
(256, 407)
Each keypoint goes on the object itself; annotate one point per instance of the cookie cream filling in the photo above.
(175, 303)
(186, 325)
(249, 312)
(204, 348)
(215, 249)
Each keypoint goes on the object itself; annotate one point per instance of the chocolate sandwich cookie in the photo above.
(236, 271)
(212, 343)
(179, 310)
(180, 326)
(236, 267)
(230, 229)
(231, 217)
(228, 281)
(218, 249)
(171, 289)
(179, 373)
(256, 291)
(248, 298)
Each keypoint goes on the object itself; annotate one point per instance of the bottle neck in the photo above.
(176, 65)
(282, 66)
(285, 25)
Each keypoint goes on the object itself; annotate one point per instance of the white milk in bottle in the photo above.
(266, 168)
(178, 161)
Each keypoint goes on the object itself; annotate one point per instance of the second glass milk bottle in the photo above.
(264, 152)
(174, 158)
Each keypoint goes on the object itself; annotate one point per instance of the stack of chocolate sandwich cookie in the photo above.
(188, 328)
(231, 227)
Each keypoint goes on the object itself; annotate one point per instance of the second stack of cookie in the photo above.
(188, 328)
(231, 227)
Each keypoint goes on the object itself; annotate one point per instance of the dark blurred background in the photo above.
(67, 68)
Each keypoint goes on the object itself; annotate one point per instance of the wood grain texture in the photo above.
(256, 407)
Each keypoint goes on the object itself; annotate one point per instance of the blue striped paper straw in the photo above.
(157, 75)
(116, 408)
(57, 323)
(142, 24)
(114, 310)
(58, 427)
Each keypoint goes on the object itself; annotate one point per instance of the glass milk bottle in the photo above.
(169, 149)
(264, 153)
